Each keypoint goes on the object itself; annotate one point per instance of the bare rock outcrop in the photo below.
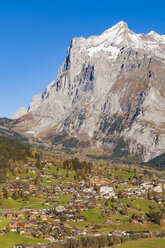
(112, 85)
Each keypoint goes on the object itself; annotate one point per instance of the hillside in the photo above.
(11, 151)
(157, 162)
(7, 129)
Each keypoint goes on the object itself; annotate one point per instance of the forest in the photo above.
(81, 168)
(11, 150)
(158, 162)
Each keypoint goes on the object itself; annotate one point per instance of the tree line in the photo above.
(11, 150)
(104, 240)
(82, 168)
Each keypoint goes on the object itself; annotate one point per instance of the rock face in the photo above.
(109, 86)
(20, 112)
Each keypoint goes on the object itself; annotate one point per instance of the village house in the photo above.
(60, 209)
(107, 192)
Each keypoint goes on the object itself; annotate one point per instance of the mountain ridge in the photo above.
(109, 86)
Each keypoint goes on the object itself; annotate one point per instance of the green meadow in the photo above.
(144, 243)
(10, 239)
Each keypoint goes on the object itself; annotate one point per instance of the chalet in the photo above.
(23, 245)
(33, 187)
(158, 189)
(55, 226)
(117, 233)
(30, 224)
(2, 232)
(26, 192)
(13, 224)
(32, 217)
(43, 217)
(89, 190)
(14, 229)
(81, 232)
(21, 216)
(134, 221)
(131, 233)
(34, 211)
(60, 208)
(57, 219)
(52, 215)
(49, 164)
(49, 237)
(107, 192)
(93, 233)
(9, 216)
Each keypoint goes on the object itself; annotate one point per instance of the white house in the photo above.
(107, 192)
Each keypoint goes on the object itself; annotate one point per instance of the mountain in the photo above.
(110, 89)
(20, 112)
(7, 130)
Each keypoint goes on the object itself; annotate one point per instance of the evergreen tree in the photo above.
(5, 193)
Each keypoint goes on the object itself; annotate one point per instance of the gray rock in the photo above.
(112, 85)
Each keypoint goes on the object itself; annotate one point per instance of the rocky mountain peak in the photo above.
(119, 27)
(116, 38)
(20, 112)
(110, 86)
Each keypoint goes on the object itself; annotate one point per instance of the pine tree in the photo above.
(5, 193)
(15, 195)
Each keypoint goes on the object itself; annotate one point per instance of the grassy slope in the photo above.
(93, 216)
(10, 239)
(124, 174)
(145, 243)
(14, 204)
(4, 222)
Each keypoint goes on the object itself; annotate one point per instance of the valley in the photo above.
(55, 197)
(84, 165)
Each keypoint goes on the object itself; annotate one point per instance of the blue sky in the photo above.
(35, 34)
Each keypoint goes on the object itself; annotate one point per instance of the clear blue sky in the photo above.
(35, 34)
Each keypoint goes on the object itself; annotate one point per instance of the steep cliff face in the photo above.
(109, 86)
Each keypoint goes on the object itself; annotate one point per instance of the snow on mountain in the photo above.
(117, 37)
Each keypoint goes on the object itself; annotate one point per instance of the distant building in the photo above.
(107, 192)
